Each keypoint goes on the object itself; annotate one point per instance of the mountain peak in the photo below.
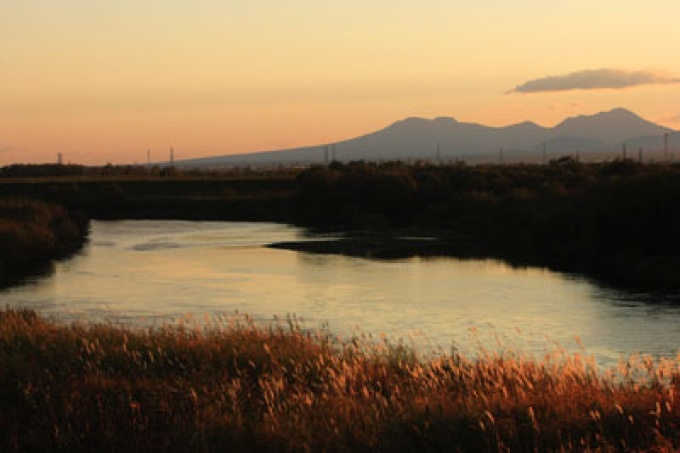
(621, 111)
(445, 138)
(613, 126)
(524, 125)
(615, 113)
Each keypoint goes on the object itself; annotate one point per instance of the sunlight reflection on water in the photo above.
(150, 272)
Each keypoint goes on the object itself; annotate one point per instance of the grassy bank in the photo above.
(237, 387)
(33, 233)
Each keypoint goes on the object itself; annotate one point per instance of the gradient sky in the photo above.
(103, 81)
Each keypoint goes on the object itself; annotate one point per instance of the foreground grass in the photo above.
(234, 386)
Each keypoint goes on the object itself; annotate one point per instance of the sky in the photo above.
(108, 81)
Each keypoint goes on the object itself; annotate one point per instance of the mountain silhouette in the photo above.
(444, 138)
(614, 126)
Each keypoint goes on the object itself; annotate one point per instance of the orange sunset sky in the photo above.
(103, 81)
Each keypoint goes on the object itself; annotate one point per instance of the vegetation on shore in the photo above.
(616, 221)
(220, 385)
(128, 192)
(33, 233)
(232, 385)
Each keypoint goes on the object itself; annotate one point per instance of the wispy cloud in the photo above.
(595, 79)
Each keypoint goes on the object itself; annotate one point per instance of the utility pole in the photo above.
(665, 146)
(172, 156)
(60, 158)
(148, 156)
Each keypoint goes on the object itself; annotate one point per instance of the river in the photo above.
(153, 272)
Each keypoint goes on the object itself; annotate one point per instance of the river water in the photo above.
(153, 272)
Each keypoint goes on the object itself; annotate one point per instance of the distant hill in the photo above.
(446, 139)
(611, 127)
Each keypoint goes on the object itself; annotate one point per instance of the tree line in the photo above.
(617, 220)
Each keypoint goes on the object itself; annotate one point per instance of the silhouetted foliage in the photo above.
(615, 220)
(33, 233)
(612, 220)
(41, 170)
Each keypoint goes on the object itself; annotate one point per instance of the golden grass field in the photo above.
(231, 385)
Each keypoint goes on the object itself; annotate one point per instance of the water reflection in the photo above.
(145, 272)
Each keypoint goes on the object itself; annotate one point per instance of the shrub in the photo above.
(32, 233)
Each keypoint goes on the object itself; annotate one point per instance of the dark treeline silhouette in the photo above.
(616, 220)
(75, 170)
(42, 170)
(134, 192)
(54, 170)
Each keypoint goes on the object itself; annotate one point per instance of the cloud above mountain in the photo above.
(595, 79)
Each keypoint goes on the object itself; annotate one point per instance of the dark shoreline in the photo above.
(614, 222)
(394, 247)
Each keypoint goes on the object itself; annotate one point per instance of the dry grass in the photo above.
(225, 385)
(33, 233)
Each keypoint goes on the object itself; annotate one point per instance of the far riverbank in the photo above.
(615, 221)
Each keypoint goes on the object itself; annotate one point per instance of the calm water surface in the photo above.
(150, 272)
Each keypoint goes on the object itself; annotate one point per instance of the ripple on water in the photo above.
(150, 272)
(153, 246)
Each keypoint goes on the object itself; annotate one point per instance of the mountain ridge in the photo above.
(447, 138)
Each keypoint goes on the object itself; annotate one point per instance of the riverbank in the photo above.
(201, 386)
(387, 245)
(616, 221)
(33, 233)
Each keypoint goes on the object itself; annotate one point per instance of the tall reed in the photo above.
(224, 384)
